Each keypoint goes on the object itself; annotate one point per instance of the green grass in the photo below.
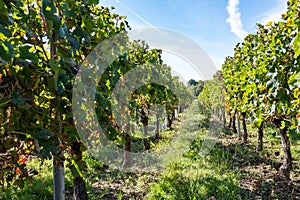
(221, 174)
(194, 176)
(39, 186)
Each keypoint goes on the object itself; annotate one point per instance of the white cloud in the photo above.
(234, 19)
(275, 13)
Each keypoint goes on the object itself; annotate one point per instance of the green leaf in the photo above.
(63, 31)
(61, 79)
(47, 144)
(17, 98)
(294, 80)
(7, 51)
(297, 45)
(2, 4)
(3, 62)
(49, 9)
(78, 32)
(88, 24)
(44, 134)
(73, 41)
(257, 122)
(5, 31)
(26, 54)
(56, 22)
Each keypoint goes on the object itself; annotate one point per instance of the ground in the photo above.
(231, 170)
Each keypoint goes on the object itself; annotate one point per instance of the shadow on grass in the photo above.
(116, 184)
(259, 173)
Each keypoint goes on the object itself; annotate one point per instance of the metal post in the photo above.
(59, 180)
(239, 128)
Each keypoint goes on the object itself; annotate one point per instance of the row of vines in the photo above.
(261, 81)
(43, 43)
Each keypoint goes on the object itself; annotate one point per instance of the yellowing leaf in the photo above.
(48, 8)
(108, 84)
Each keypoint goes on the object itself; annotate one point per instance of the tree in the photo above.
(196, 86)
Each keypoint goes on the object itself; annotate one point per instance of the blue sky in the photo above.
(216, 25)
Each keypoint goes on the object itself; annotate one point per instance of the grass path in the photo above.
(231, 170)
(194, 176)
